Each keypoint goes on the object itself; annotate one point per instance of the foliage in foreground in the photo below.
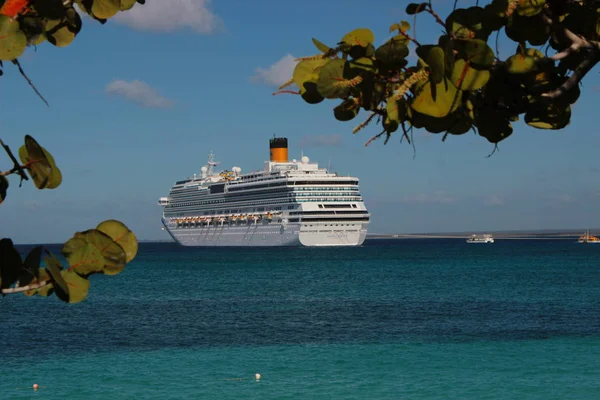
(111, 245)
(460, 83)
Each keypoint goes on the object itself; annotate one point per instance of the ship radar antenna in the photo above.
(211, 163)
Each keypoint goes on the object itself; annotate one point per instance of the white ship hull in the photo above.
(268, 234)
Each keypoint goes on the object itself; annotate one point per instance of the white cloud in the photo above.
(171, 15)
(334, 140)
(561, 198)
(138, 92)
(437, 197)
(493, 200)
(278, 73)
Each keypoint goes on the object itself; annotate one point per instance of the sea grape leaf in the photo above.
(466, 78)
(311, 94)
(393, 52)
(10, 263)
(122, 235)
(330, 76)
(12, 39)
(114, 255)
(44, 172)
(476, 51)
(359, 37)
(320, 46)
(346, 111)
(435, 100)
(78, 287)
(529, 8)
(3, 188)
(105, 9)
(83, 257)
(552, 117)
(415, 8)
(54, 268)
(433, 56)
(396, 110)
(45, 290)
(31, 266)
(307, 70)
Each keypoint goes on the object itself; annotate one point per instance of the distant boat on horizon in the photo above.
(485, 238)
(587, 238)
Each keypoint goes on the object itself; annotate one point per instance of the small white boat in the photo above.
(481, 239)
(587, 238)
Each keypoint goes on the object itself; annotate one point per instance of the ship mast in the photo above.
(211, 163)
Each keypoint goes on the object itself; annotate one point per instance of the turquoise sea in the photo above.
(393, 319)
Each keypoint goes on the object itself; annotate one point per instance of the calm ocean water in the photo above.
(393, 319)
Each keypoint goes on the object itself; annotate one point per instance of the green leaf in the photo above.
(520, 64)
(493, 126)
(320, 46)
(104, 9)
(468, 23)
(78, 287)
(31, 266)
(307, 71)
(551, 117)
(435, 100)
(466, 78)
(45, 290)
(330, 76)
(10, 263)
(415, 8)
(529, 8)
(347, 110)
(83, 257)
(3, 188)
(12, 39)
(433, 56)
(396, 110)
(54, 268)
(114, 255)
(477, 52)
(121, 235)
(392, 53)
(359, 37)
(310, 94)
(44, 172)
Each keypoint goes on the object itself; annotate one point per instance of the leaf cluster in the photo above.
(103, 250)
(31, 22)
(37, 162)
(460, 83)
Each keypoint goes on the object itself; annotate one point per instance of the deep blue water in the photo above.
(418, 319)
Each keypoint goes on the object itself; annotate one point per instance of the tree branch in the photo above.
(16, 163)
(578, 43)
(582, 69)
(21, 289)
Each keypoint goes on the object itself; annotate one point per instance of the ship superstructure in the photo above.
(288, 203)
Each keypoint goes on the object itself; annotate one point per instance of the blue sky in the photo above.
(138, 103)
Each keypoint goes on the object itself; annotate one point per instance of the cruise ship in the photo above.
(288, 203)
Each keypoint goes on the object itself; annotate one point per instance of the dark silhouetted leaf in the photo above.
(10, 263)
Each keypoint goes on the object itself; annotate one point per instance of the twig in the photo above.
(578, 43)
(21, 289)
(495, 150)
(582, 69)
(375, 137)
(16, 62)
(364, 123)
(436, 16)
(286, 91)
(17, 165)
